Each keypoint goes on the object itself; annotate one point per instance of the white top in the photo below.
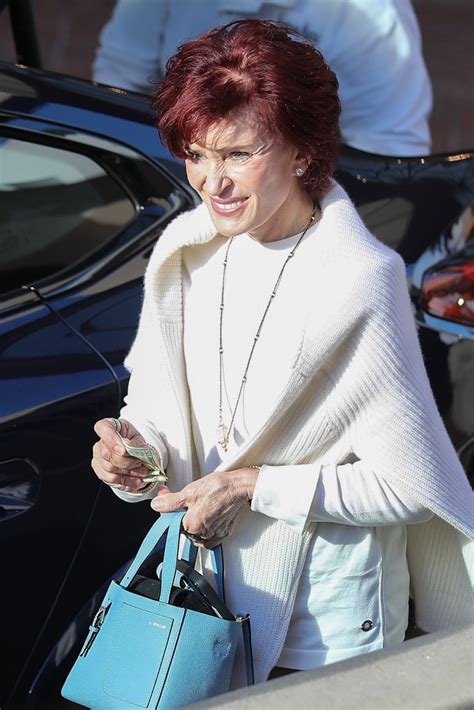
(251, 274)
(345, 495)
(358, 386)
(374, 47)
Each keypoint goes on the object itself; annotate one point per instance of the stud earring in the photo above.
(299, 172)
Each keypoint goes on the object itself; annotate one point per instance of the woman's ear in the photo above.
(300, 165)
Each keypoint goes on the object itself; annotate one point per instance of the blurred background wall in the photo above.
(68, 31)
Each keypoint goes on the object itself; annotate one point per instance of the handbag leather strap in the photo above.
(171, 554)
(204, 589)
(189, 553)
(247, 638)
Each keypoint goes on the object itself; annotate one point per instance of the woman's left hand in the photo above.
(212, 503)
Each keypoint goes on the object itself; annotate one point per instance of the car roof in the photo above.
(83, 105)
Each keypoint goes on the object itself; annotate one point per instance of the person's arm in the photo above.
(297, 495)
(110, 462)
(384, 85)
(133, 413)
(129, 48)
(349, 494)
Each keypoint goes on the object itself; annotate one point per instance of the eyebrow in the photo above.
(226, 149)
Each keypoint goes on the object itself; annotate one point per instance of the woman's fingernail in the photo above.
(120, 450)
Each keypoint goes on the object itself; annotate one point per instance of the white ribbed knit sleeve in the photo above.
(389, 409)
(348, 494)
(135, 408)
(381, 403)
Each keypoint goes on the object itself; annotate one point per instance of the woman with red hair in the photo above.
(277, 370)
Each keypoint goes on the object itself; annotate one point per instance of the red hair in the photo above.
(262, 63)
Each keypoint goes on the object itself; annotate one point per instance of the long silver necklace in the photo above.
(223, 432)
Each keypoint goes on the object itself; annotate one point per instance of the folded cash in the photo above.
(155, 477)
(150, 458)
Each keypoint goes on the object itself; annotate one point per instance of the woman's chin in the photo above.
(227, 226)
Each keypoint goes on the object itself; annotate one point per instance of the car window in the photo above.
(56, 206)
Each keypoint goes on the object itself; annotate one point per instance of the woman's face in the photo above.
(246, 178)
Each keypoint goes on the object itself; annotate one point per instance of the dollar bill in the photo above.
(150, 458)
(155, 477)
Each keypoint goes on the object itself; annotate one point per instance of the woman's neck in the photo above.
(291, 218)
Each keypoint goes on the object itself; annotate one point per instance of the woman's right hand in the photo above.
(110, 460)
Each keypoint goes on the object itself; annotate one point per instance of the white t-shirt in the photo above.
(373, 46)
(341, 585)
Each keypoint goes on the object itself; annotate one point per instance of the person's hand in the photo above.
(212, 503)
(110, 460)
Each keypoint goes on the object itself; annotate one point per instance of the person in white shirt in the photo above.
(373, 46)
(277, 371)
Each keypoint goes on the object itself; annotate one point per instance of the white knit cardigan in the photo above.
(358, 387)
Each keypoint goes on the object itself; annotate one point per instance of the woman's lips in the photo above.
(228, 208)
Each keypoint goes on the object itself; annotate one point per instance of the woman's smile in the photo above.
(228, 208)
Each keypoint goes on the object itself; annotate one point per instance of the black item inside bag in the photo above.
(194, 592)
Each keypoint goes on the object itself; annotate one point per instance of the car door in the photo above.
(52, 386)
(75, 234)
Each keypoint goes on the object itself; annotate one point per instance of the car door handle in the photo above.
(19, 487)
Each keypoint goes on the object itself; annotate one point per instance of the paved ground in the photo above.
(68, 34)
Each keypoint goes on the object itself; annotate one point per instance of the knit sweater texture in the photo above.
(358, 388)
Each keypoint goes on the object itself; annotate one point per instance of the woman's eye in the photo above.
(240, 155)
(192, 155)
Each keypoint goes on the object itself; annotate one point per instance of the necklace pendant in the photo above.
(222, 435)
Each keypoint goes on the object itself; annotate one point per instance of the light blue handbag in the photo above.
(147, 653)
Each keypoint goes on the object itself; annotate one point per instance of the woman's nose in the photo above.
(216, 179)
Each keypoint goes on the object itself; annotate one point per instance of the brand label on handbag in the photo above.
(157, 625)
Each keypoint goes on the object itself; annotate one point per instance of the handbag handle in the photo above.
(170, 523)
(171, 557)
(149, 542)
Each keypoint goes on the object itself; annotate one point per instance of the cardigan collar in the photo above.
(163, 277)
